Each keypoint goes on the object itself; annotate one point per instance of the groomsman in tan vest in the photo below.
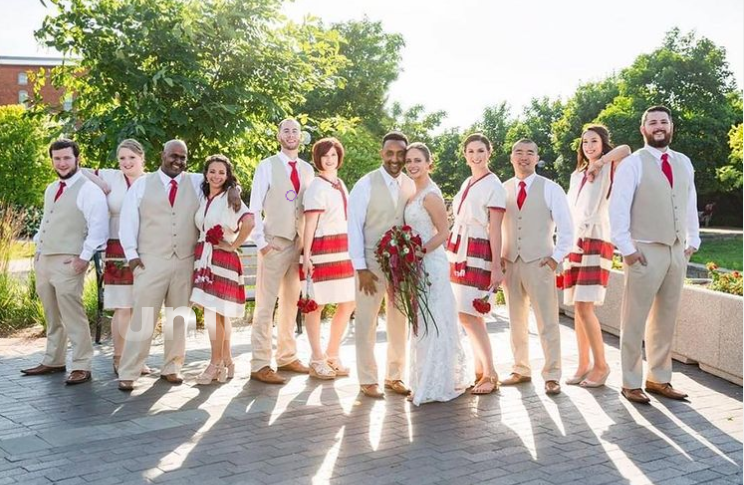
(158, 234)
(377, 203)
(74, 226)
(535, 208)
(653, 214)
(278, 187)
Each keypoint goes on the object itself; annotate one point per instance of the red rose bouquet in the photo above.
(214, 235)
(400, 254)
(306, 304)
(483, 305)
(559, 283)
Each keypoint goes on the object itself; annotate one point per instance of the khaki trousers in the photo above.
(365, 332)
(61, 293)
(161, 281)
(653, 289)
(277, 277)
(530, 283)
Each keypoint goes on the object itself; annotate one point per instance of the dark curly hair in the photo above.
(230, 181)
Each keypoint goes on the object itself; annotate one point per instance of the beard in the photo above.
(69, 174)
(653, 142)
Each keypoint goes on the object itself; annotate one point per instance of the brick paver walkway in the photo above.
(316, 432)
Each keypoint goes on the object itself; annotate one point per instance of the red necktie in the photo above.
(666, 167)
(295, 177)
(172, 193)
(61, 189)
(522, 194)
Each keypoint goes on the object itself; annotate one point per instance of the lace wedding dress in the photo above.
(439, 368)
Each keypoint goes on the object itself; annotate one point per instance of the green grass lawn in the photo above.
(22, 249)
(726, 253)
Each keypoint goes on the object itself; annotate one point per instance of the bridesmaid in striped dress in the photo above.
(326, 257)
(474, 252)
(587, 270)
(117, 277)
(218, 272)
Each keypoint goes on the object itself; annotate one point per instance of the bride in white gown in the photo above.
(439, 369)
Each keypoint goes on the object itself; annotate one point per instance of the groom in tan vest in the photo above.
(535, 208)
(278, 187)
(653, 214)
(377, 203)
(74, 226)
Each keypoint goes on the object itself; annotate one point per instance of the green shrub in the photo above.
(24, 167)
(724, 282)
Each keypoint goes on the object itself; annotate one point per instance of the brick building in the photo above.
(15, 82)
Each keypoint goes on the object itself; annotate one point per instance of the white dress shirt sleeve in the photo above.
(627, 178)
(92, 203)
(557, 201)
(196, 180)
(129, 219)
(693, 224)
(358, 201)
(261, 182)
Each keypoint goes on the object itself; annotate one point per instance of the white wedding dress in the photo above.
(439, 368)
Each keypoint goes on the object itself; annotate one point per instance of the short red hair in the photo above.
(323, 146)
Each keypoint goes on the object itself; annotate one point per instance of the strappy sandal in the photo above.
(230, 367)
(335, 364)
(212, 373)
(321, 370)
(485, 380)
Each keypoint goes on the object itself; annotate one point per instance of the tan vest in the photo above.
(64, 228)
(527, 233)
(283, 216)
(659, 212)
(382, 214)
(165, 230)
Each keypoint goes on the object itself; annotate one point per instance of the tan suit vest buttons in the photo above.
(527, 233)
(283, 216)
(63, 228)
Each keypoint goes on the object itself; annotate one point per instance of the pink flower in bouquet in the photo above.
(214, 235)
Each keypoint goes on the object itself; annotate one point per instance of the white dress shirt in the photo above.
(261, 185)
(627, 178)
(560, 211)
(358, 201)
(129, 221)
(91, 201)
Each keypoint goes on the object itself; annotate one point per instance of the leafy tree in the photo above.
(213, 73)
(450, 169)
(415, 122)
(730, 176)
(372, 59)
(25, 170)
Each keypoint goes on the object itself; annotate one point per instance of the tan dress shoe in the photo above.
(635, 395)
(372, 390)
(172, 378)
(43, 369)
(78, 377)
(397, 387)
(665, 390)
(126, 386)
(295, 366)
(552, 388)
(515, 378)
(266, 374)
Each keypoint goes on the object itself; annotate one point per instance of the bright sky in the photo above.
(462, 56)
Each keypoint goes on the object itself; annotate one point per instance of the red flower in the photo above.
(307, 305)
(559, 281)
(214, 235)
(482, 305)
(736, 274)
(406, 228)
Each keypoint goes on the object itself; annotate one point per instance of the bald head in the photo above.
(174, 157)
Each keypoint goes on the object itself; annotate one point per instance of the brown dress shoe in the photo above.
(126, 386)
(43, 369)
(295, 366)
(635, 395)
(397, 387)
(78, 377)
(267, 375)
(172, 378)
(665, 390)
(515, 378)
(372, 390)
(552, 388)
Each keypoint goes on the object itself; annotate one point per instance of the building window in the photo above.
(22, 97)
(67, 106)
(22, 78)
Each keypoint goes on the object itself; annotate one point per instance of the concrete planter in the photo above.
(708, 332)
